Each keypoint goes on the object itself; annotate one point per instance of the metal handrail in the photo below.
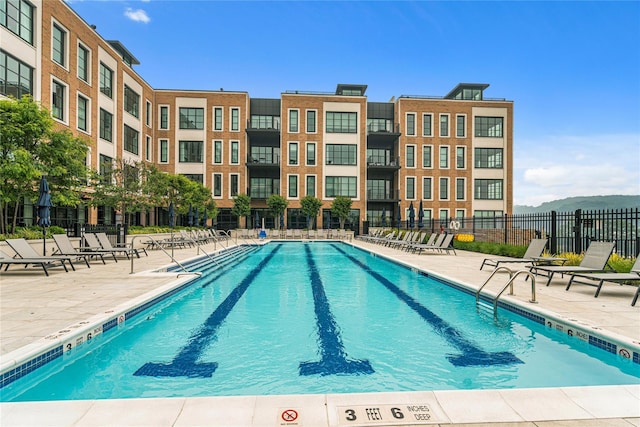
(510, 283)
(159, 247)
(489, 278)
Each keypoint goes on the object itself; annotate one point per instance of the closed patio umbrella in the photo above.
(420, 215)
(190, 216)
(204, 218)
(257, 220)
(412, 216)
(383, 217)
(44, 211)
(196, 220)
(399, 218)
(172, 215)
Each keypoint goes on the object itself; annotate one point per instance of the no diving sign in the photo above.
(289, 417)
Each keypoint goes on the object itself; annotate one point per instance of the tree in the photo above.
(341, 207)
(277, 204)
(241, 206)
(30, 148)
(310, 207)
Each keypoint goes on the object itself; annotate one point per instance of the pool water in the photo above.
(318, 317)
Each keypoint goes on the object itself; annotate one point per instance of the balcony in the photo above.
(264, 128)
(263, 162)
(383, 165)
(382, 133)
(391, 196)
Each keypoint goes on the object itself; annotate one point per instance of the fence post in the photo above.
(554, 232)
(504, 225)
(577, 231)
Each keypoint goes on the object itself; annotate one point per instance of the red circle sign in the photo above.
(289, 415)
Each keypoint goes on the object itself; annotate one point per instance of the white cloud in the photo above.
(138, 15)
(556, 167)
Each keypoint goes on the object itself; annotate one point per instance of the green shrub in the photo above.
(32, 232)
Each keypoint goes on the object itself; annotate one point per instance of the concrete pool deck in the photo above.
(33, 306)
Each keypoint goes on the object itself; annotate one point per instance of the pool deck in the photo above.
(33, 306)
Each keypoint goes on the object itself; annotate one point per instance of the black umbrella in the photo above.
(383, 217)
(204, 218)
(257, 220)
(196, 221)
(282, 220)
(420, 215)
(44, 211)
(190, 217)
(412, 216)
(172, 215)
(399, 216)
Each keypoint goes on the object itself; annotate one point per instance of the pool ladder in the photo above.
(512, 277)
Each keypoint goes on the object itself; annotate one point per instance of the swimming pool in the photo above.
(318, 318)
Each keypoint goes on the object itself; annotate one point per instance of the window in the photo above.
(106, 125)
(488, 158)
(147, 117)
(444, 157)
(58, 100)
(191, 118)
(59, 45)
(341, 154)
(411, 124)
(217, 118)
(131, 101)
(130, 140)
(293, 153)
(217, 152)
(106, 80)
(190, 152)
(311, 121)
(311, 185)
(427, 125)
(293, 121)
(489, 127)
(444, 125)
(461, 128)
(148, 149)
(17, 17)
(16, 77)
(234, 184)
(443, 214)
(379, 156)
(427, 153)
(106, 166)
(235, 119)
(217, 185)
(338, 122)
(379, 125)
(427, 188)
(262, 188)
(460, 188)
(164, 117)
(265, 155)
(410, 188)
(195, 177)
(488, 189)
(341, 186)
(444, 188)
(83, 63)
(83, 113)
(265, 121)
(293, 186)
(410, 156)
(311, 154)
(460, 158)
(164, 151)
(235, 152)
(379, 189)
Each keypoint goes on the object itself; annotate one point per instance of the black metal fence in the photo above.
(117, 233)
(566, 231)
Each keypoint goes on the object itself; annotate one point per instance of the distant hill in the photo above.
(571, 204)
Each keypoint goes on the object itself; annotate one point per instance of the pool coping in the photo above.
(78, 333)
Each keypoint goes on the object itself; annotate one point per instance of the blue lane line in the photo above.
(333, 357)
(185, 363)
(471, 354)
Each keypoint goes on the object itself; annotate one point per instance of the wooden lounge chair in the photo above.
(598, 279)
(6, 261)
(534, 250)
(594, 261)
(23, 250)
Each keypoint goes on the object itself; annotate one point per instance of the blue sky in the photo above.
(572, 68)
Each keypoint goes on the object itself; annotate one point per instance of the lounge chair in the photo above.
(106, 244)
(65, 247)
(94, 246)
(594, 261)
(23, 250)
(534, 250)
(600, 278)
(434, 246)
(6, 261)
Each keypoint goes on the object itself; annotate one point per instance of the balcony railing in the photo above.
(263, 161)
(381, 195)
(373, 162)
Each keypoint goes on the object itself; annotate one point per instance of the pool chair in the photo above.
(594, 261)
(23, 250)
(435, 246)
(94, 246)
(6, 261)
(532, 255)
(65, 247)
(104, 241)
(598, 279)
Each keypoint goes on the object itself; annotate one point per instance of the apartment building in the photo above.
(452, 153)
